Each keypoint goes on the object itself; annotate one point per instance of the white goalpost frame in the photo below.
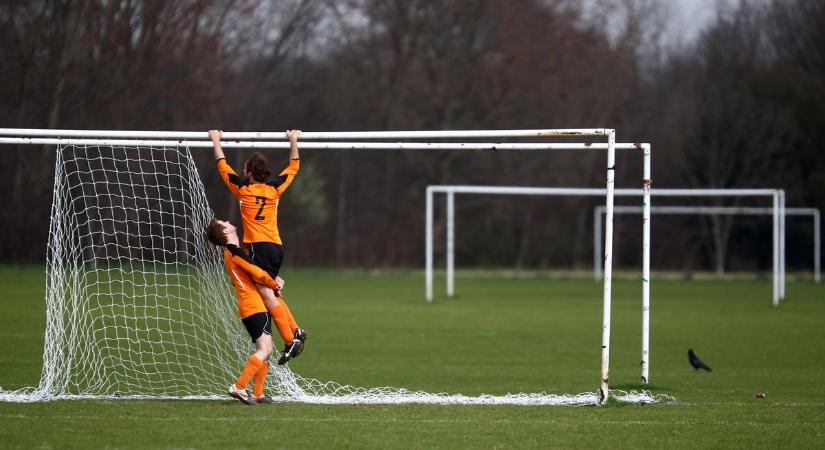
(778, 235)
(813, 213)
(777, 195)
(258, 140)
(463, 189)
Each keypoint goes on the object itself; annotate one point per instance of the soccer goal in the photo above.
(777, 196)
(139, 306)
(813, 213)
(777, 211)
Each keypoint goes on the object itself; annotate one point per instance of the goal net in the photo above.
(138, 305)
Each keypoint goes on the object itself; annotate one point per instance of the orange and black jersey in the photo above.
(259, 201)
(244, 275)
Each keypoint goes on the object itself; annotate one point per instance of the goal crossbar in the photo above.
(309, 135)
(322, 145)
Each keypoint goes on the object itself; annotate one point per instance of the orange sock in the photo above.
(253, 365)
(292, 323)
(279, 316)
(260, 378)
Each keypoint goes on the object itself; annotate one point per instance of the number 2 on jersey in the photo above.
(262, 201)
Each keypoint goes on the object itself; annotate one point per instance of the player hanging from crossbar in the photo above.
(259, 194)
(245, 275)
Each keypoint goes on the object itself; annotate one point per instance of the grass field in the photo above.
(500, 335)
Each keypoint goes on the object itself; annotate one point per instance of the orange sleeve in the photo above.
(260, 276)
(249, 299)
(229, 177)
(286, 176)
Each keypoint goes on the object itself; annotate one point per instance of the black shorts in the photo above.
(257, 324)
(267, 256)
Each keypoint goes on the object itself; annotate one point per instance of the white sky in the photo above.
(683, 19)
(689, 17)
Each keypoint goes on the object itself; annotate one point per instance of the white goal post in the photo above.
(450, 190)
(777, 196)
(132, 173)
(813, 213)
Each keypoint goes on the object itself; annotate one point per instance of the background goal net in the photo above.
(138, 305)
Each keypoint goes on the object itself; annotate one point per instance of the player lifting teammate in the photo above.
(245, 275)
(259, 195)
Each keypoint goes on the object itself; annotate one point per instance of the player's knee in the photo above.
(268, 296)
(264, 347)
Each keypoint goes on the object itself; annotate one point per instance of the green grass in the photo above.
(500, 335)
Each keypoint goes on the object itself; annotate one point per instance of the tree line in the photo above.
(742, 106)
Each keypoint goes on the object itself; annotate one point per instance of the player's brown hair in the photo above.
(258, 167)
(214, 232)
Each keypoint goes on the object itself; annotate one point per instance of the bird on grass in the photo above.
(696, 362)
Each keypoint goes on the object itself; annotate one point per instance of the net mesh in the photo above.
(139, 306)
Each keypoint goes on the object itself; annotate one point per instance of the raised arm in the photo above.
(227, 173)
(215, 135)
(293, 136)
(284, 179)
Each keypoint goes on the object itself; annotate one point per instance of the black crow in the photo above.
(696, 362)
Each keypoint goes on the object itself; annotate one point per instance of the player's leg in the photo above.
(263, 343)
(263, 350)
(269, 256)
(278, 312)
(292, 323)
(293, 346)
(297, 332)
(256, 325)
(238, 388)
